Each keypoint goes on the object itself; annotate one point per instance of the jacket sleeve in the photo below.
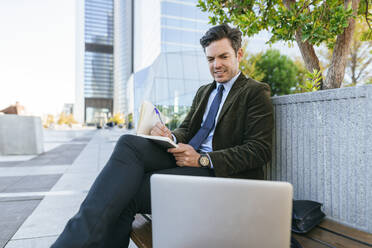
(255, 148)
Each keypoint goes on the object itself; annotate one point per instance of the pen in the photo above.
(158, 113)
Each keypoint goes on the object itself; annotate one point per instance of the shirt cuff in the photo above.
(210, 160)
(174, 138)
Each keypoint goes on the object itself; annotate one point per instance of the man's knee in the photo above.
(132, 141)
(125, 139)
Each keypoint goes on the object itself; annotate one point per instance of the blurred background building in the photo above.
(94, 59)
(129, 51)
(175, 65)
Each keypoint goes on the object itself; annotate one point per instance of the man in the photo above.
(227, 133)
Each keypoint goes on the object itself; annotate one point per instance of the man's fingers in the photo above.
(179, 156)
(159, 126)
(160, 130)
(156, 130)
(179, 163)
(179, 149)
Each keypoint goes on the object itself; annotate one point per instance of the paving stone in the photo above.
(40, 242)
(18, 158)
(50, 217)
(3, 242)
(33, 170)
(9, 163)
(82, 139)
(79, 155)
(37, 183)
(63, 154)
(20, 199)
(5, 182)
(13, 214)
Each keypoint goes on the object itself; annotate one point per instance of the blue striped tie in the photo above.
(208, 124)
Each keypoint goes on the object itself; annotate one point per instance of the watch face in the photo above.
(204, 161)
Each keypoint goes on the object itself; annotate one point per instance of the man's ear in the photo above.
(240, 54)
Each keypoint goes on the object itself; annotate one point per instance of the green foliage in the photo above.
(301, 71)
(367, 35)
(313, 81)
(279, 70)
(369, 81)
(301, 76)
(359, 59)
(319, 21)
(365, 13)
(248, 64)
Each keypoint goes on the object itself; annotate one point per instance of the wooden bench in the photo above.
(327, 234)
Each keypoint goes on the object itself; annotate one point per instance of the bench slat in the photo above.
(347, 231)
(308, 243)
(141, 232)
(333, 239)
(327, 234)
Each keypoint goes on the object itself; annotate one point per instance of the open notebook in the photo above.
(147, 119)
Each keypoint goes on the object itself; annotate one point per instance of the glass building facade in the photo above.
(98, 58)
(181, 67)
(157, 56)
(182, 25)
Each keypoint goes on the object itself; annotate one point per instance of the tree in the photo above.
(279, 70)
(369, 81)
(248, 64)
(359, 61)
(309, 23)
(302, 78)
(359, 64)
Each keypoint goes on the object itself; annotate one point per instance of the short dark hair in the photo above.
(222, 31)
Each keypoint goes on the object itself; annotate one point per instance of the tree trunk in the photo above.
(307, 50)
(353, 63)
(308, 54)
(336, 71)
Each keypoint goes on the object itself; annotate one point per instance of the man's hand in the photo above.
(161, 130)
(185, 155)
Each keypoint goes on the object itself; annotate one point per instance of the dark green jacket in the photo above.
(242, 139)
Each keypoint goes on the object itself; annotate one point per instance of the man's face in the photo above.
(222, 60)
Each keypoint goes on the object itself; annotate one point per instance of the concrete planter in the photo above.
(20, 135)
(323, 146)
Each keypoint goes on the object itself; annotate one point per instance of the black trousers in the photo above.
(121, 190)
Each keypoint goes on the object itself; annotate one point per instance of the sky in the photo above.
(37, 54)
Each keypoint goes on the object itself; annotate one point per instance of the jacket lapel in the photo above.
(200, 109)
(234, 92)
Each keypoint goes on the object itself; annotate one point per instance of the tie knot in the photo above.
(220, 88)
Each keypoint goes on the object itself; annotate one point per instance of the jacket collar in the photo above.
(229, 100)
(240, 81)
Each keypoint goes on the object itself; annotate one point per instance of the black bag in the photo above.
(295, 243)
(306, 215)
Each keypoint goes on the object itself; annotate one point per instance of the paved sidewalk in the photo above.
(38, 194)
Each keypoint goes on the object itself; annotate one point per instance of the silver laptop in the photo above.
(203, 212)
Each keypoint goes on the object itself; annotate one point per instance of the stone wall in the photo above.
(323, 146)
(20, 135)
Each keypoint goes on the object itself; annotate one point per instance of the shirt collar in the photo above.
(227, 86)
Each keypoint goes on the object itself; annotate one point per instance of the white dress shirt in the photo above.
(206, 146)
